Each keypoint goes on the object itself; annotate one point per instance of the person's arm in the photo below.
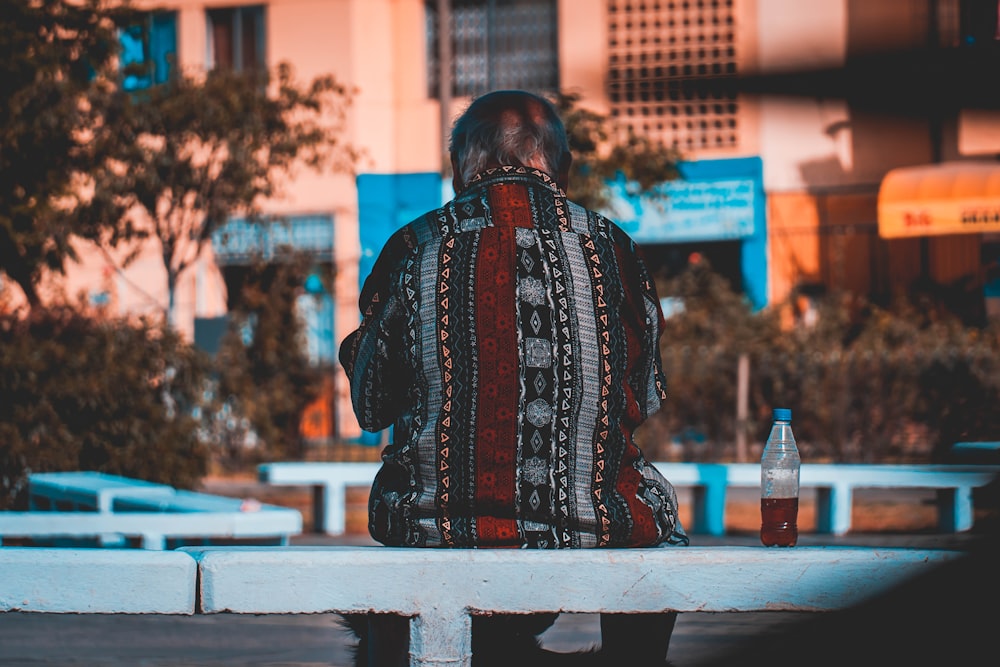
(372, 355)
(646, 376)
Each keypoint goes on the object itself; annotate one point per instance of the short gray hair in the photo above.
(509, 128)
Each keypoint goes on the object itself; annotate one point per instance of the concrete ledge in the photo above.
(97, 581)
(687, 579)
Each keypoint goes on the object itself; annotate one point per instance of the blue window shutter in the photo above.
(148, 50)
(163, 45)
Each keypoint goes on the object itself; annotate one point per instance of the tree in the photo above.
(56, 81)
(603, 150)
(200, 149)
(268, 378)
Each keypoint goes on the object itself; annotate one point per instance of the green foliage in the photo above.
(55, 85)
(865, 384)
(82, 394)
(603, 151)
(268, 379)
(196, 150)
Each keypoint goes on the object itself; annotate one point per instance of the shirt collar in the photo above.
(510, 173)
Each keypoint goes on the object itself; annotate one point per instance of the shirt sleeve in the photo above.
(656, 384)
(372, 355)
(647, 377)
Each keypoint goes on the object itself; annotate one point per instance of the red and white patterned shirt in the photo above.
(511, 338)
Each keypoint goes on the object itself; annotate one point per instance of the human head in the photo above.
(509, 128)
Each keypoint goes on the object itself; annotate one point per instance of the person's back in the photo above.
(511, 338)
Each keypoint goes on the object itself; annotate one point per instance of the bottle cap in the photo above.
(782, 414)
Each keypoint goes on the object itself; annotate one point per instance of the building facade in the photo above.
(790, 114)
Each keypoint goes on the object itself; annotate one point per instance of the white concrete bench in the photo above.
(97, 581)
(834, 484)
(87, 490)
(113, 509)
(329, 482)
(190, 501)
(709, 482)
(441, 589)
(153, 530)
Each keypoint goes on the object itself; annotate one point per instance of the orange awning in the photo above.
(936, 199)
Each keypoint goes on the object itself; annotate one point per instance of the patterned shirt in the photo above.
(511, 340)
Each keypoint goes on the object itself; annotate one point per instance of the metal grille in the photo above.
(497, 44)
(657, 49)
(240, 241)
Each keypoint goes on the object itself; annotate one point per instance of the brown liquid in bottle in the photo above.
(778, 522)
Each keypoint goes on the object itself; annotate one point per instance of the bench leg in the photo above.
(833, 509)
(112, 540)
(154, 542)
(319, 508)
(334, 511)
(955, 509)
(715, 509)
(699, 513)
(709, 501)
(439, 638)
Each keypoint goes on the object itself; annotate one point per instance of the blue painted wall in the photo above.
(386, 202)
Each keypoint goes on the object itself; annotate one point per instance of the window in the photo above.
(497, 44)
(240, 241)
(148, 50)
(656, 50)
(236, 37)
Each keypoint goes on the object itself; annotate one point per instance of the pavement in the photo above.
(699, 640)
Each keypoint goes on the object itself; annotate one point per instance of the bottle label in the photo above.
(779, 483)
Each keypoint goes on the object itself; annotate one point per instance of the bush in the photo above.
(84, 394)
(865, 384)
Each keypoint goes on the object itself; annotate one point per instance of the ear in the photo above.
(456, 175)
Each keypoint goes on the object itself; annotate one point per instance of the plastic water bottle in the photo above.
(779, 484)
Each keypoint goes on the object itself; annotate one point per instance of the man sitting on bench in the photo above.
(511, 338)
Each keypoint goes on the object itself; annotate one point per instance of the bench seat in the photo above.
(97, 581)
(441, 589)
(87, 490)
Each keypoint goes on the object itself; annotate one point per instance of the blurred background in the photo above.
(192, 193)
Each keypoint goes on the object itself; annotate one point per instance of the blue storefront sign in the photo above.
(685, 211)
(713, 200)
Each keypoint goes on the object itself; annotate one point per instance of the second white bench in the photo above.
(709, 482)
(110, 510)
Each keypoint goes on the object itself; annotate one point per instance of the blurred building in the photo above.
(829, 144)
